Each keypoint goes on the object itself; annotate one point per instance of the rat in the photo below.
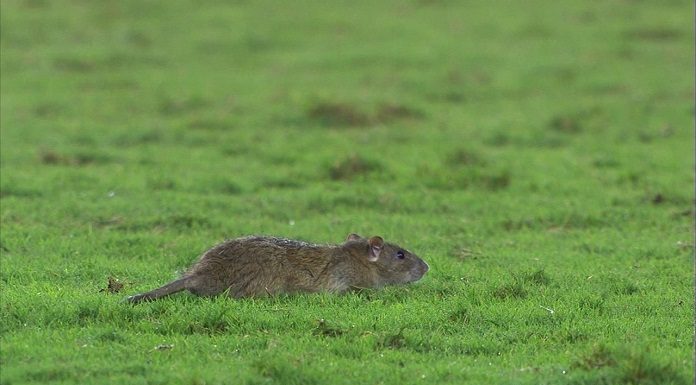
(261, 265)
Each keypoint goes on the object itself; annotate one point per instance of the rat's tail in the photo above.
(170, 288)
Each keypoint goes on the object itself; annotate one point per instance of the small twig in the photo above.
(547, 309)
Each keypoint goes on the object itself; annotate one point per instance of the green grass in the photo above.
(539, 156)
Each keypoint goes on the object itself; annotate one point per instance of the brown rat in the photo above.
(258, 265)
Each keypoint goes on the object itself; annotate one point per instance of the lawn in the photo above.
(538, 155)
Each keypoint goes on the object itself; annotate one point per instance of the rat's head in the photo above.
(393, 264)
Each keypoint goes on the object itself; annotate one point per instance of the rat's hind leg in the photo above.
(205, 286)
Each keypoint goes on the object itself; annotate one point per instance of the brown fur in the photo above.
(258, 266)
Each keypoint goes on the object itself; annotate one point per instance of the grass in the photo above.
(538, 155)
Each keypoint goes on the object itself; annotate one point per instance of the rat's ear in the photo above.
(353, 237)
(376, 243)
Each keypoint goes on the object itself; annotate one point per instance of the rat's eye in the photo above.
(400, 254)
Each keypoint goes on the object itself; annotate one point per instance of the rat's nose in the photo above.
(418, 271)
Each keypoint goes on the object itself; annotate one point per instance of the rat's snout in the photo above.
(419, 270)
